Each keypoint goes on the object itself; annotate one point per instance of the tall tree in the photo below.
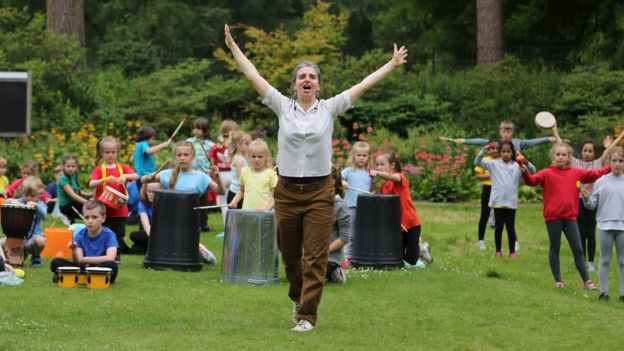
(489, 32)
(66, 17)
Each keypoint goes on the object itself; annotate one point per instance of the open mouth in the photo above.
(307, 87)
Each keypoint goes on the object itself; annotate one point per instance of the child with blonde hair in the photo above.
(115, 175)
(219, 156)
(30, 192)
(239, 147)
(607, 199)
(560, 183)
(258, 180)
(356, 178)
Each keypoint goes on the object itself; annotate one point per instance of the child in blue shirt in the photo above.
(93, 246)
(144, 150)
(30, 192)
(356, 179)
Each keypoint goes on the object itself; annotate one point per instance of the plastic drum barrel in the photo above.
(174, 235)
(377, 241)
(250, 254)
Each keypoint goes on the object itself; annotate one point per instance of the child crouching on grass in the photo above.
(93, 246)
(340, 233)
(395, 183)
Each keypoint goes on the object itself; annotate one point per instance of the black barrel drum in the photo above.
(377, 241)
(174, 234)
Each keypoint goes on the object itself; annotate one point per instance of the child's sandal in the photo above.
(559, 284)
(589, 285)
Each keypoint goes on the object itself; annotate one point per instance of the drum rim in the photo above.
(68, 269)
(20, 205)
(98, 270)
(116, 192)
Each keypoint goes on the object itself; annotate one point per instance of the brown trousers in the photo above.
(305, 217)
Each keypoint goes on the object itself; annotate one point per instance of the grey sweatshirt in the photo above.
(608, 200)
(505, 177)
(342, 227)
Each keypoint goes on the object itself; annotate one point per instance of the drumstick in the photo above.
(78, 213)
(161, 166)
(447, 139)
(177, 129)
(205, 152)
(209, 207)
(403, 227)
(360, 190)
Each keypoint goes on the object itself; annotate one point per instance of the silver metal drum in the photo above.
(250, 254)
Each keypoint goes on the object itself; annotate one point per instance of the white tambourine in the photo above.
(545, 120)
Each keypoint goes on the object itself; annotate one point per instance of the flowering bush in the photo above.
(47, 148)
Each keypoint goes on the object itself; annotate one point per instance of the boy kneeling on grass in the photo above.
(94, 245)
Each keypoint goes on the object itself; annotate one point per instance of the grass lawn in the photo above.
(465, 300)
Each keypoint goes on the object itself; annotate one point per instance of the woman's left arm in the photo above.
(398, 58)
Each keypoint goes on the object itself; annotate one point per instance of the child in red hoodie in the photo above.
(560, 197)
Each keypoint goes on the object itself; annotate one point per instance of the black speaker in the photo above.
(15, 99)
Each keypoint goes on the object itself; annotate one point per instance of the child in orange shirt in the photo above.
(395, 183)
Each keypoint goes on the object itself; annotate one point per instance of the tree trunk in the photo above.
(66, 17)
(489, 32)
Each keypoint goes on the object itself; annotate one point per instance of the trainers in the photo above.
(590, 267)
(303, 326)
(604, 297)
(347, 262)
(36, 261)
(208, 257)
(559, 284)
(517, 246)
(499, 254)
(425, 252)
(295, 311)
(338, 276)
(513, 255)
(481, 245)
(419, 264)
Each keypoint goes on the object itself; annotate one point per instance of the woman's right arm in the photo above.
(248, 69)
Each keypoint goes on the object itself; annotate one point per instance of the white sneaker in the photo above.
(338, 276)
(425, 252)
(295, 310)
(481, 245)
(517, 246)
(303, 326)
(208, 257)
(590, 267)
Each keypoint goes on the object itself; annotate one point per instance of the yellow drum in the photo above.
(98, 277)
(68, 277)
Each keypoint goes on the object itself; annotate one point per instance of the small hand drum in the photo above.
(17, 219)
(545, 120)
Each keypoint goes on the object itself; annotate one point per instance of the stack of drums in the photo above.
(377, 241)
(174, 235)
(250, 254)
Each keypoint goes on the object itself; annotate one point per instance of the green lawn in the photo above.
(466, 300)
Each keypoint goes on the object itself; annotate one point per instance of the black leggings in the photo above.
(140, 241)
(587, 229)
(485, 210)
(70, 213)
(570, 229)
(61, 262)
(118, 225)
(505, 217)
(411, 247)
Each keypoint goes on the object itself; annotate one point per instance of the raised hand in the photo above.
(229, 41)
(400, 55)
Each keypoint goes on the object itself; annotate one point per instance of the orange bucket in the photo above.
(57, 240)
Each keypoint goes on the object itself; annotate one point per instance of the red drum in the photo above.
(113, 198)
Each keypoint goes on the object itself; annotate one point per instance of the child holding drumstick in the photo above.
(394, 182)
(144, 150)
(69, 196)
(93, 246)
(115, 175)
(184, 178)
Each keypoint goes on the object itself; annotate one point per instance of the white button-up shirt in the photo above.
(304, 138)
